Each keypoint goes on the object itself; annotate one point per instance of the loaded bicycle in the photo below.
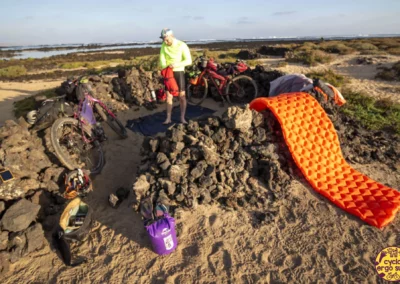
(77, 140)
(229, 82)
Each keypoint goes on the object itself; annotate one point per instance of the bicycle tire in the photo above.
(251, 96)
(114, 123)
(64, 159)
(191, 99)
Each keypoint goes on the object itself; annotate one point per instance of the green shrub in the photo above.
(22, 107)
(374, 114)
(394, 51)
(364, 46)
(336, 47)
(330, 77)
(309, 57)
(307, 46)
(88, 64)
(253, 62)
(282, 64)
(12, 71)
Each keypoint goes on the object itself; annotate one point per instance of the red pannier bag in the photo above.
(170, 82)
(212, 65)
(161, 95)
(241, 67)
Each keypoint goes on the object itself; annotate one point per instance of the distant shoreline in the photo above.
(151, 47)
(191, 42)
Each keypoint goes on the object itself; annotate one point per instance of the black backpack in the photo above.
(68, 88)
(50, 111)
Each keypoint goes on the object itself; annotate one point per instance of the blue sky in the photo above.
(25, 22)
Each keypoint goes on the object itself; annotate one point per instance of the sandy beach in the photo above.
(310, 241)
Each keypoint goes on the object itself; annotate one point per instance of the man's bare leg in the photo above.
(169, 108)
(182, 102)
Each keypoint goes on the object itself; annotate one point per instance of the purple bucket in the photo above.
(162, 235)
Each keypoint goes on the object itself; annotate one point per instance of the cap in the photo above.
(166, 32)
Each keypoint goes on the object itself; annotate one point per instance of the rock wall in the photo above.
(236, 161)
(30, 197)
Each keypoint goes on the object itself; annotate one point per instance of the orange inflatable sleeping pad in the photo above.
(314, 145)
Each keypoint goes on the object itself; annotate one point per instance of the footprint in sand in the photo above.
(368, 234)
(286, 215)
(191, 252)
(292, 261)
(220, 259)
(276, 257)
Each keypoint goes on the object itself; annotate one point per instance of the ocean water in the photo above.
(24, 52)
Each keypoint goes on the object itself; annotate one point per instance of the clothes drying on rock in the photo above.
(292, 83)
(288, 84)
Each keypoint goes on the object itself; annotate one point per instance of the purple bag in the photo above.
(162, 235)
(87, 112)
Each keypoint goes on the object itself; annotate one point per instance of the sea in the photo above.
(31, 51)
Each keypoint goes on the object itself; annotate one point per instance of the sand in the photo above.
(311, 240)
(15, 91)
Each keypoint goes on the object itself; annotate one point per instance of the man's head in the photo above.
(167, 36)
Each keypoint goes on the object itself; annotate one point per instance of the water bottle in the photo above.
(153, 96)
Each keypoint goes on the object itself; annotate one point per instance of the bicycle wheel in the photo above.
(114, 123)
(197, 93)
(241, 90)
(70, 148)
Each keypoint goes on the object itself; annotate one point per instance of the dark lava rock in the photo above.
(4, 262)
(35, 237)
(20, 215)
(3, 240)
(246, 54)
(17, 246)
(238, 118)
(272, 50)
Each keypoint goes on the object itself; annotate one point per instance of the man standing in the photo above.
(175, 54)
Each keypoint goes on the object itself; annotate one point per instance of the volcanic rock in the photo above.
(3, 240)
(20, 215)
(238, 118)
(35, 238)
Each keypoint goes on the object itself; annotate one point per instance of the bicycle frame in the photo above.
(212, 76)
(81, 113)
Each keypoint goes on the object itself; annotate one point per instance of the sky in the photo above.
(28, 22)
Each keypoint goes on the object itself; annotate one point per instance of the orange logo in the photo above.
(387, 264)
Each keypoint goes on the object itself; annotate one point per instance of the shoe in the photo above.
(146, 209)
(160, 211)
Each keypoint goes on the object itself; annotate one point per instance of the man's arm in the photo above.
(163, 60)
(187, 58)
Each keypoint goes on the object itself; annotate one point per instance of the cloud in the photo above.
(28, 18)
(244, 21)
(283, 13)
